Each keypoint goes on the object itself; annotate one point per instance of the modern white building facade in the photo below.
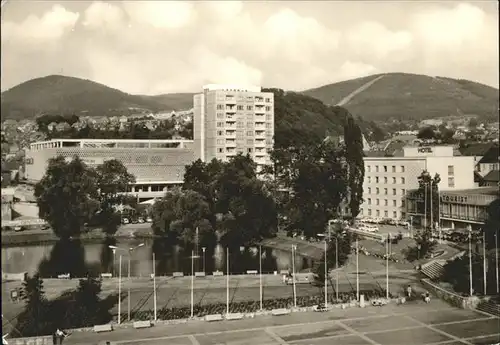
(157, 165)
(231, 119)
(387, 179)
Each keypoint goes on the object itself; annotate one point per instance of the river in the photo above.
(78, 258)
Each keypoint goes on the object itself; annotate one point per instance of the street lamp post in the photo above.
(336, 268)
(154, 286)
(114, 262)
(470, 260)
(326, 278)
(120, 292)
(496, 261)
(130, 250)
(227, 281)
(411, 226)
(192, 283)
(260, 275)
(357, 270)
(203, 249)
(484, 263)
(293, 276)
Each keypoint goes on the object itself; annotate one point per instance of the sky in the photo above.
(162, 47)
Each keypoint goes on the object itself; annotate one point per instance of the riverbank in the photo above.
(39, 236)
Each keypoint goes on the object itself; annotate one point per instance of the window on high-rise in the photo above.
(394, 214)
(394, 203)
(249, 150)
(268, 117)
(393, 168)
(249, 133)
(378, 213)
(385, 191)
(249, 141)
(369, 212)
(268, 100)
(369, 201)
(394, 191)
(403, 181)
(249, 107)
(219, 133)
(393, 180)
(376, 179)
(385, 180)
(451, 182)
(402, 168)
(378, 202)
(268, 108)
(376, 168)
(386, 202)
(385, 168)
(369, 178)
(220, 124)
(451, 170)
(268, 125)
(240, 107)
(386, 214)
(378, 191)
(369, 190)
(369, 168)
(220, 150)
(220, 106)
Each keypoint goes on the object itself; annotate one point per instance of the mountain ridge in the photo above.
(392, 96)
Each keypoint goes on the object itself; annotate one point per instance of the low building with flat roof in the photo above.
(158, 165)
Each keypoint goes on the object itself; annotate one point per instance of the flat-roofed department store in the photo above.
(388, 179)
(156, 164)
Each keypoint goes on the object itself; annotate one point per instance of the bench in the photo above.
(252, 272)
(63, 276)
(199, 274)
(234, 316)
(103, 328)
(142, 324)
(106, 275)
(214, 317)
(218, 274)
(178, 274)
(282, 311)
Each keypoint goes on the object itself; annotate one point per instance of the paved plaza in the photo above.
(413, 323)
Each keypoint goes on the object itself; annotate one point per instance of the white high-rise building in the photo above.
(232, 119)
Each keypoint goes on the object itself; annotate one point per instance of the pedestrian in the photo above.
(408, 291)
(427, 297)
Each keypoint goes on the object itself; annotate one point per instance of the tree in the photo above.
(426, 133)
(87, 306)
(428, 191)
(114, 181)
(377, 134)
(33, 320)
(179, 213)
(473, 123)
(353, 140)
(492, 224)
(67, 196)
(317, 180)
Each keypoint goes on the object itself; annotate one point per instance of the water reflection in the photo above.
(79, 258)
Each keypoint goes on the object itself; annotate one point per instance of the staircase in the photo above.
(489, 307)
(434, 270)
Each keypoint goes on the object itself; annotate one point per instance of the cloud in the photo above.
(49, 27)
(153, 47)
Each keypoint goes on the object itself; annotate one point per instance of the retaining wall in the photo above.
(451, 297)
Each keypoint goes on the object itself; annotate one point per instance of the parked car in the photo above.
(149, 220)
(125, 220)
(369, 228)
(140, 220)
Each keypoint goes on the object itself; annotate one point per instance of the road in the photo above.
(412, 323)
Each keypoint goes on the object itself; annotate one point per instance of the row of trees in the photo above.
(80, 308)
(72, 194)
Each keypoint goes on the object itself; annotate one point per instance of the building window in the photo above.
(219, 133)
(451, 170)
(369, 179)
(394, 191)
(249, 133)
(369, 212)
(403, 203)
(385, 180)
(249, 150)
(249, 141)
(220, 150)
(394, 203)
(239, 107)
(393, 180)
(393, 168)
(386, 214)
(403, 192)
(385, 191)
(220, 106)
(376, 168)
(403, 181)
(451, 182)
(378, 191)
(385, 168)
(220, 141)
(386, 202)
(394, 214)
(268, 100)
(376, 179)
(220, 115)
(369, 168)
(249, 107)
(402, 168)
(378, 202)
(378, 213)
(268, 108)
(249, 124)
(369, 201)
(369, 190)
(220, 124)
